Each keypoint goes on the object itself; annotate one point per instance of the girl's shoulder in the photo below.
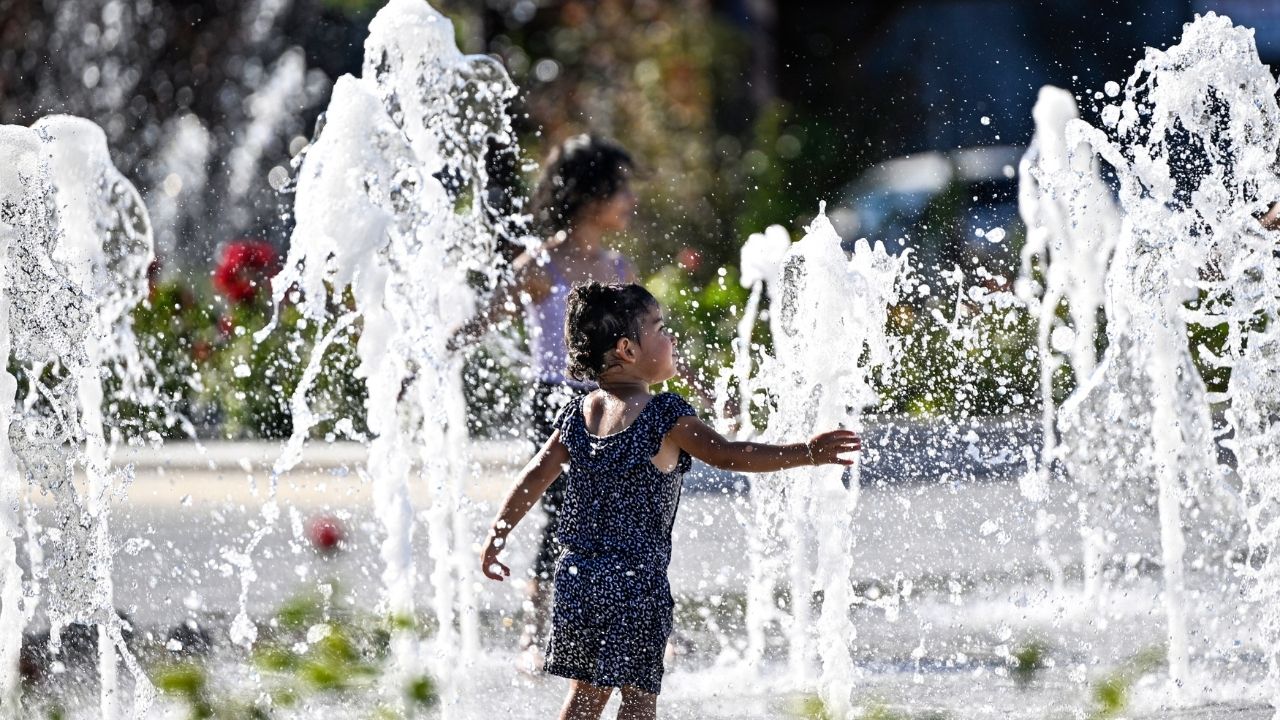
(570, 411)
(670, 407)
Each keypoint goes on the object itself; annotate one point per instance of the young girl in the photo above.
(627, 451)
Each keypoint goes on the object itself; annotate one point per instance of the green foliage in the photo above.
(177, 333)
(811, 707)
(1206, 344)
(422, 691)
(786, 168)
(189, 683)
(494, 390)
(882, 712)
(402, 622)
(704, 319)
(1111, 693)
(973, 359)
(312, 652)
(256, 380)
(1030, 660)
(207, 369)
(354, 7)
(300, 612)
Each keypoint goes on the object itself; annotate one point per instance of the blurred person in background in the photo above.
(583, 196)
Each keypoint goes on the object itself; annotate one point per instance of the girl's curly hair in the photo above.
(598, 316)
(579, 171)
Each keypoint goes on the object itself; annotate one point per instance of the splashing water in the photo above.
(391, 207)
(761, 269)
(829, 329)
(1072, 224)
(78, 243)
(1196, 136)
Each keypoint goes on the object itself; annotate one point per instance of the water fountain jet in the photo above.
(78, 247)
(1196, 132)
(391, 206)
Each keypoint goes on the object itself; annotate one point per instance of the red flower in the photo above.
(689, 259)
(326, 533)
(245, 270)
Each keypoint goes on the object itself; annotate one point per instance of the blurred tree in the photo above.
(203, 101)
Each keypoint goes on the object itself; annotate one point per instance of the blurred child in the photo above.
(583, 196)
(627, 452)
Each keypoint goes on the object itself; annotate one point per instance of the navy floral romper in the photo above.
(612, 609)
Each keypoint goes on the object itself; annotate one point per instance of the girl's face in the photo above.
(614, 214)
(655, 356)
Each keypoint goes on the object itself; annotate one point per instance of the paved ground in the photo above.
(975, 588)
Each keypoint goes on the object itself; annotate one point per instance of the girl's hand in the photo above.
(826, 448)
(489, 564)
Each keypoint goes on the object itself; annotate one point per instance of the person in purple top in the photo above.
(582, 198)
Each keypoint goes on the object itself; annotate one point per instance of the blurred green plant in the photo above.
(784, 170)
(1029, 660)
(212, 379)
(256, 380)
(878, 711)
(177, 333)
(972, 359)
(811, 707)
(312, 653)
(354, 7)
(189, 683)
(1111, 694)
(704, 318)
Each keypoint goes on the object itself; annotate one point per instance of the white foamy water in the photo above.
(387, 213)
(760, 270)
(178, 178)
(1193, 141)
(22, 202)
(269, 108)
(829, 328)
(1072, 225)
(374, 218)
(78, 247)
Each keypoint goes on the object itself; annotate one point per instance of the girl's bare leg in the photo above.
(585, 701)
(638, 705)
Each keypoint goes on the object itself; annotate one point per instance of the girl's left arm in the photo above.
(703, 442)
(533, 480)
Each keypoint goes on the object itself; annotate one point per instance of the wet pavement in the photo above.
(954, 583)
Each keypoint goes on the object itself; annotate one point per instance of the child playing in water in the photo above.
(627, 452)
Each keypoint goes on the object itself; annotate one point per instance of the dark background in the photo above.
(746, 113)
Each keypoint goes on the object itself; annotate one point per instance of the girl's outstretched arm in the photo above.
(701, 441)
(533, 480)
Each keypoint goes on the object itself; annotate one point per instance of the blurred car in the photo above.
(953, 207)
